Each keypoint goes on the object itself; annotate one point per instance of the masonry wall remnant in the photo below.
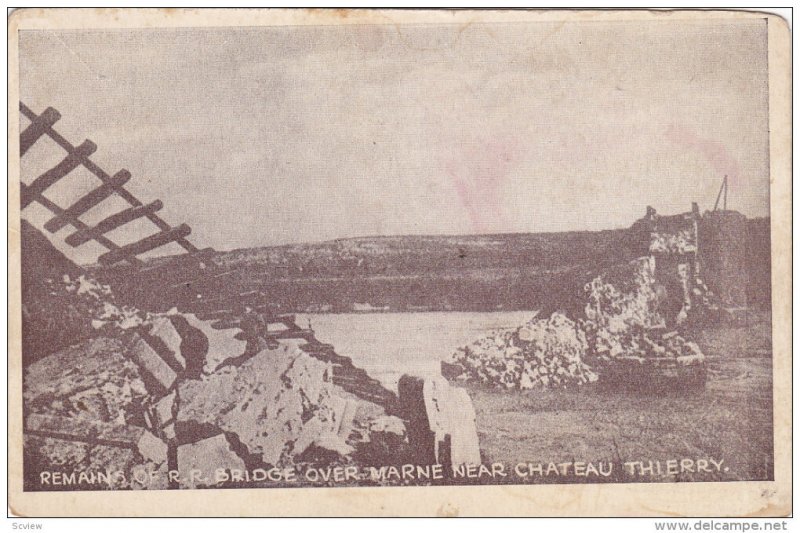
(723, 255)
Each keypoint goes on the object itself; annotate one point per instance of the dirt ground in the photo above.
(730, 420)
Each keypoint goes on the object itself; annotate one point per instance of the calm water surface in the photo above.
(388, 345)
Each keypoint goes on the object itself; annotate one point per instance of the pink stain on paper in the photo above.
(713, 151)
(478, 171)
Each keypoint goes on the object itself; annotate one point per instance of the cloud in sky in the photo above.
(261, 136)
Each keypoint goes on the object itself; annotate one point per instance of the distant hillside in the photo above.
(541, 271)
(420, 255)
(408, 273)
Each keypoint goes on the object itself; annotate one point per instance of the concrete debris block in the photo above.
(329, 434)
(337, 405)
(198, 461)
(311, 373)
(168, 432)
(152, 448)
(161, 327)
(150, 362)
(222, 343)
(88, 381)
(310, 432)
(464, 444)
(452, 420)
(388, 424)
(272, 401)
(444, 431)
(627, 323)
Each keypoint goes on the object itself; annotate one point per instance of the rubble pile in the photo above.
(636, 312)
(541, 353)
(277, 403)
(82, 413)
(133, 395)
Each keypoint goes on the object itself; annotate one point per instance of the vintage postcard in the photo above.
(398, 262)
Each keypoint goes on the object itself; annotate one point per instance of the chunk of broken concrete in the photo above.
(464, 444)
(222, 343)
(441, 421)
(161, 375)
(198, 461)
(270, 402)
(152, 448)
(169, 341)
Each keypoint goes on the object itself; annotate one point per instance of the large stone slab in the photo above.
(464, 444)
(222, 343)
(277, 403)
(441, 422)
(161, 327)
(161, 375)
(198, 461)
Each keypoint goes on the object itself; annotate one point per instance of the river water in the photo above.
(388, 345)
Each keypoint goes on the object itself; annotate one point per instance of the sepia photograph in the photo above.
(338, 249)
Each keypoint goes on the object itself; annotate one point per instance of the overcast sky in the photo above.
(264, 136)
